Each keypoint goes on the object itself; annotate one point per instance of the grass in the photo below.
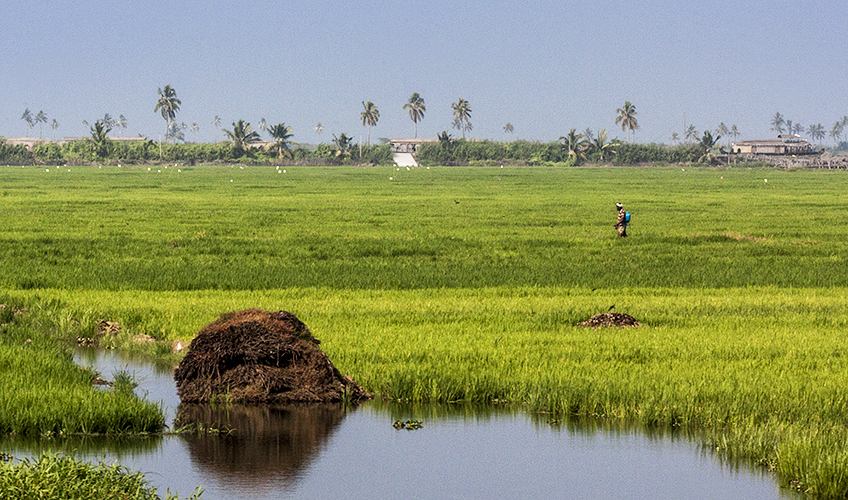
(52, 476)
(466, 284)
(43, 393)
(353, 228)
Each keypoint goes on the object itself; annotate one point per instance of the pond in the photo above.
(460, 451)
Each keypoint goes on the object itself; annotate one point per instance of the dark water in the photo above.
(460, 452)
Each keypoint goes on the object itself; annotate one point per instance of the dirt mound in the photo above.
(256, 356)
(610, 319)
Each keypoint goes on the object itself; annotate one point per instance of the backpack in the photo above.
(627, 218)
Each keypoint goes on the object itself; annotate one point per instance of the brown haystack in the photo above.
(610, 319)
(256, 356)
(108, 327)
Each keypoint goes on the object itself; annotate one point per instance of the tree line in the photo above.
(815, 131)
(99, 149)
(242, 140)
(571, 149)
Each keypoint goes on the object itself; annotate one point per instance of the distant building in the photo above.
(783, 145)
(138, 138)
(27, 142)
(408, 145)
(31, 142)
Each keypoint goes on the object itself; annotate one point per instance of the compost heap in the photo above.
(610, 319)
(256, 356)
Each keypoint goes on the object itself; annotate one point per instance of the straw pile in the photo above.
(610, 319)
(256, 356)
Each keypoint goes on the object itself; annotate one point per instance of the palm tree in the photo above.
(789, 126)
(675, 138)
(723, 130)
(457, 124)
(734, 132)
(216, 122)
(816, 132)
(588, 134)
(318, 128)
(601, 147)
(168, 105)
(54, 125)
(461, 114)
(28, 119)
(777, 123)
(706, 145)
(281, 134)
(370, 116)
(241, 135)
(690, 133)
(99, 142)
(108, 121)
(343, 144)
(175, 132)
(121, 122)
(627, 118)
(468, 127)
(575, 145)
(416, 109)
(836, 132)
(263, 125)
(41, 117)
(508, 128)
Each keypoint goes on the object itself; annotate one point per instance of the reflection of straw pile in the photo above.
(256, 356)
(610, 319)
(261, 442)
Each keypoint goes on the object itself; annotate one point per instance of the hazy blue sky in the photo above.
(545, 66)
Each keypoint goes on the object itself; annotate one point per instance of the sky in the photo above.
(543, 66)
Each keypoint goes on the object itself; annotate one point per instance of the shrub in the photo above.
(15, 153)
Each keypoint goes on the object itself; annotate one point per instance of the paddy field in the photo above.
(462, 284)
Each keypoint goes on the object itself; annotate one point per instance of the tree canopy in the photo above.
(416, 108)
(627, 118)
(282, 134)
(167, 105)
(462, 115)
(370, 116)
(241, 135)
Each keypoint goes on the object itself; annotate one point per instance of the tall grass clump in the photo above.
(45, 393)
(55, 477)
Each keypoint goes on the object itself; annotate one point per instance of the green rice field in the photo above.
(467, 283)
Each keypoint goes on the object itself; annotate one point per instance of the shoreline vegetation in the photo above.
(446, 285)
(52, 476)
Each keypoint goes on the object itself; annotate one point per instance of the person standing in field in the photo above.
(621, 225)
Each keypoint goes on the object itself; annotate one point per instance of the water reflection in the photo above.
(256, 442)
(118, 446)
